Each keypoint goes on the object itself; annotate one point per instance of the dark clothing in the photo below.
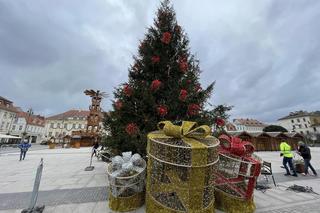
(288, 161)
(307, 164)
(24, 146)
(22, 154)
(95, 147)
(305, 152)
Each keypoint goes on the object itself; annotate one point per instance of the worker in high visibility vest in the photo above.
(287, 155)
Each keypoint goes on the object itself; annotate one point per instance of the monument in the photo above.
(92, 133)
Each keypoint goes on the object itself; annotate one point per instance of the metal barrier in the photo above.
(34, 196)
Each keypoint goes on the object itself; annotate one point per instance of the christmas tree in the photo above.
(163, 85)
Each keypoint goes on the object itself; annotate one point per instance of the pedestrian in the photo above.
(24, 146)
(305, 153)
(287, 155)
(95, 148)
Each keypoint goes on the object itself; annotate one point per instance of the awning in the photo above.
(9, 136)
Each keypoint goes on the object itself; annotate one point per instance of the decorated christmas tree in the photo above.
(163, 85)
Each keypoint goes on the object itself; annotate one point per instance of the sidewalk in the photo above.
(64, 184)
(66, 187)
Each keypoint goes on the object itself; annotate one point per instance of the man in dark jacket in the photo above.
(304, 151)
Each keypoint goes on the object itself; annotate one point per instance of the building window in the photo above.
(50, 134)
(5, 115)
(314, 129)
(73, 126)
(301, 132)
(292, 121)
(65, 126)
(300, 126)
(14, 127)
(20, 127)
(298, 120)
(58, 125)
(7, 125)
(304, 119)
(306, 125)
(51, 125)
(307, 131)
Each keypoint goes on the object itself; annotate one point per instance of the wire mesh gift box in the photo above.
(236, 175)
(126, 175)
(181, 161)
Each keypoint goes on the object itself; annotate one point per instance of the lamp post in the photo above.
(29, 113)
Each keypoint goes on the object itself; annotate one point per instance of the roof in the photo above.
(298, 114)
(293, 134)
(248, 122)
(70, 114)
(35, 120)
(276, 134)
(268, 134)
(7, 105)
(8, 136)
(230, 127)
(5, 100)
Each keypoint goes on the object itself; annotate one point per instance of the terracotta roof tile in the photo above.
(7, 105)
(35, 120)
(249, 122)
(70, 114)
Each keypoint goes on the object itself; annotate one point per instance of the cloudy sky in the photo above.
(264, 55)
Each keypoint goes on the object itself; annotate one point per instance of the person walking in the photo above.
(287, 155)
(305, 153)
(95, 148)
(24, 146)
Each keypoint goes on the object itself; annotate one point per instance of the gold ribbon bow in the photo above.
(188, 129)
(191, 134)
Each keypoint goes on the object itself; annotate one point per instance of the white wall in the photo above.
(299, 124)
(6, 120)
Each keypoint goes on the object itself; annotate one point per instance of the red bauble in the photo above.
(155, 85)
(166, 37)
(118, 104)
(220, 122)
(132, 129)
(127, 90)
(183, 64)
(193, 109)
(155, 59)
(183, 95)
(162, 110)
(188, 81)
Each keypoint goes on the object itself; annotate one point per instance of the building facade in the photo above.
(8, 115)
(31, 125)
(61, 125)
(248, 125)
(307, 123)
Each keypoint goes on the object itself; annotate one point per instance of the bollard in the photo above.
(32, 206)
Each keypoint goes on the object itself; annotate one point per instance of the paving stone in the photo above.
(54, 197)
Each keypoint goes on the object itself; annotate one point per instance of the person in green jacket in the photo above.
(287, 155)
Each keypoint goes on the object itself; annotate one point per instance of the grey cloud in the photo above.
(264, 55)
